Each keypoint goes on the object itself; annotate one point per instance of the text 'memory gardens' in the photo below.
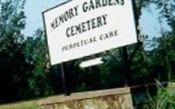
(85, 25)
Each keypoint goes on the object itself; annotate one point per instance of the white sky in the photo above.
(34, 9)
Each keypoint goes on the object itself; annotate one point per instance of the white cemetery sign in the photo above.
(80, 28)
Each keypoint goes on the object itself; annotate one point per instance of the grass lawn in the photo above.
(21, 105)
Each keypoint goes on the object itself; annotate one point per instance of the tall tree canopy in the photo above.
(12, 60)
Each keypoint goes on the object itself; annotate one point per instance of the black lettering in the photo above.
(52, 25)
(85, 7)
(82, 42)
(76, 10)
(101, 37)
(94, 39)
(78, 28)
(78, 44)
(61, 18)
(83, 26)
(66, 16)
(93, 23)
(90, 40)
(108, 35)
(91, 5)
(120, 2)
(98, 4)
(104, 18)
(110, 2)
(71, 46)
(72, 31)
(104, 3)
(88, 24)
(67, 32)
(99, 22)
(65, 48)
(116, 32)
(111, 34)
(71, 14)
(74, 45)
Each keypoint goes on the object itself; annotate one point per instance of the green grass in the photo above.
(21, 105)
(165, 98)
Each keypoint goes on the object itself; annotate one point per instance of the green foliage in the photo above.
(164, 56)
(36, 56)
(23, 63)
(21, 105)
(12, 61)
(163, 100)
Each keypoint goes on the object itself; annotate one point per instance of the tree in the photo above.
(164, 52)
(12, 60)
(36, 55)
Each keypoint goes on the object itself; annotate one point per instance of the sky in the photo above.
(150, 24)
(34, 9)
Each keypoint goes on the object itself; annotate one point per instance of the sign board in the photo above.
(80, 28)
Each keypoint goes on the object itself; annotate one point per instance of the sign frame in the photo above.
(61, 4)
